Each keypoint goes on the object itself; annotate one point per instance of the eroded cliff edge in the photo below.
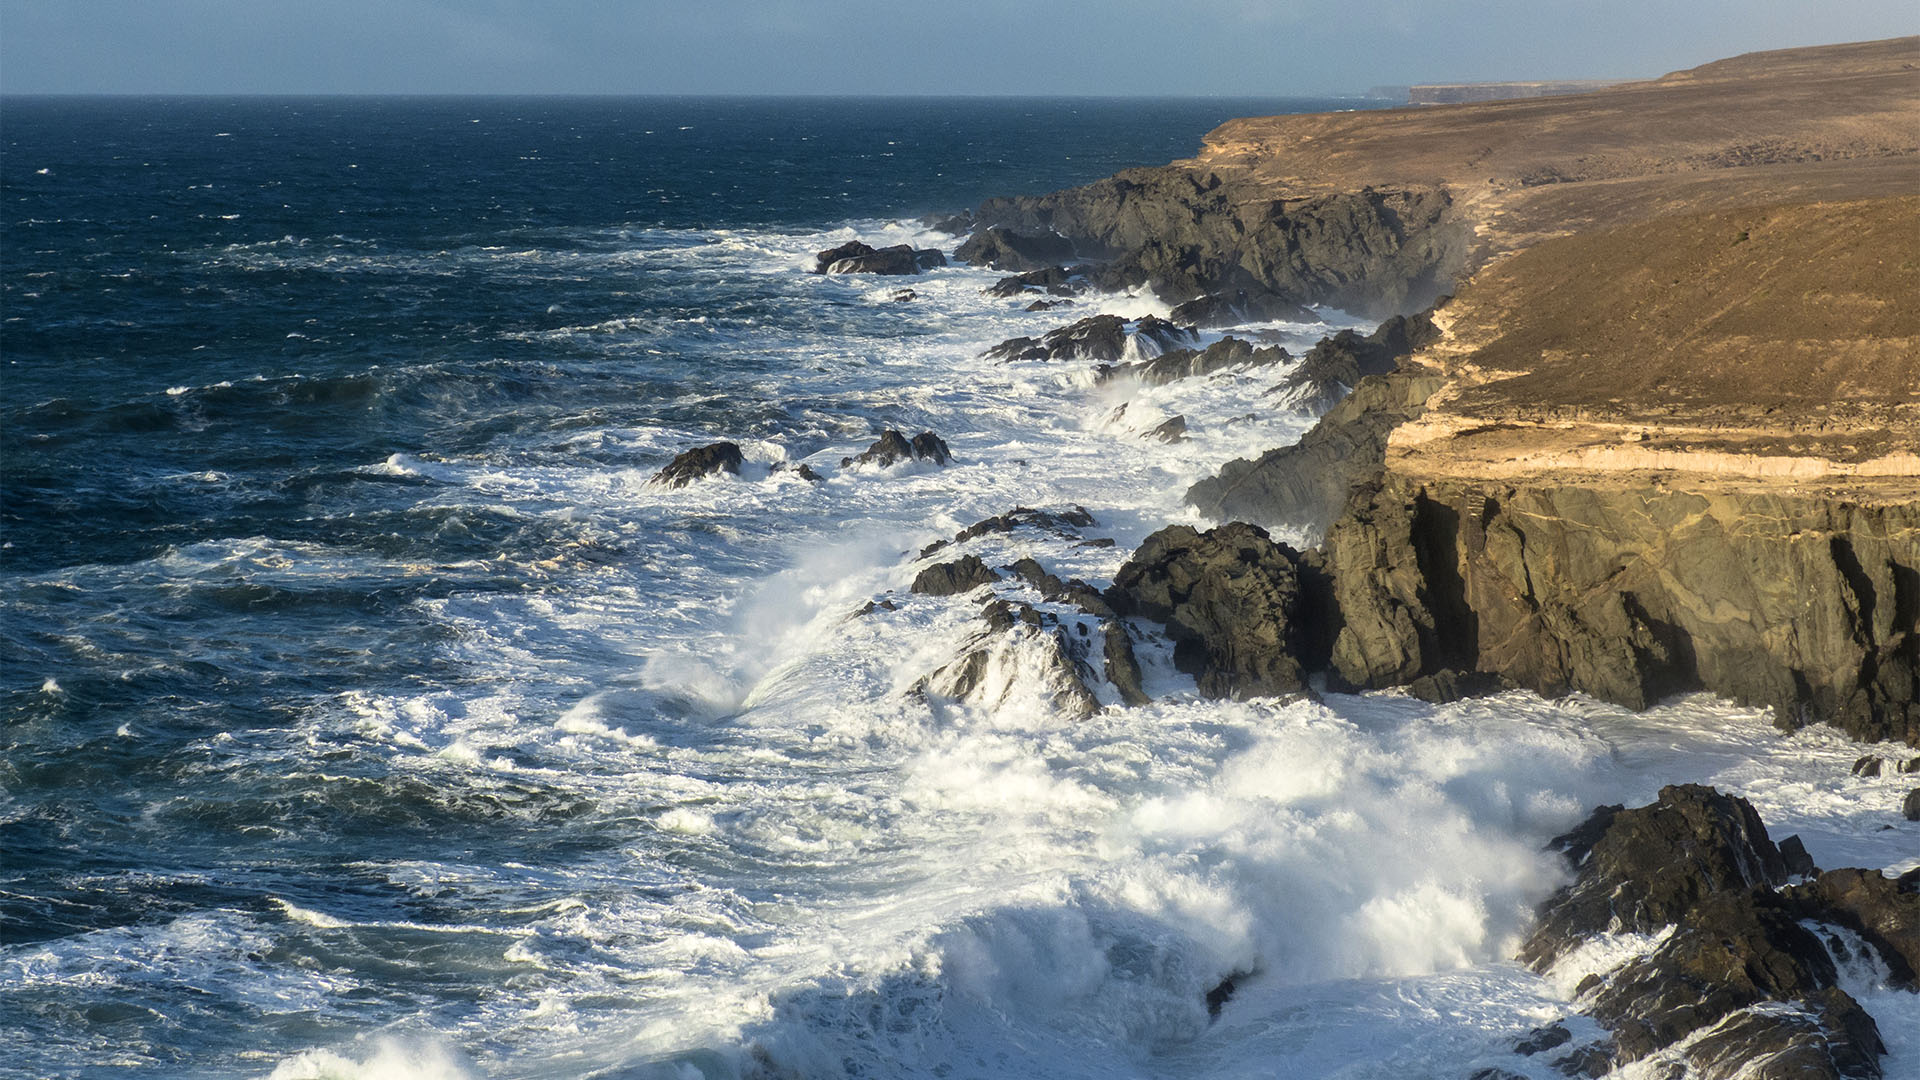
(1379, 212)
(1677, 455)
(1666, 436)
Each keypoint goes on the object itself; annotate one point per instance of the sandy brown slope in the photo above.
(1830, 122)
(1787, 337)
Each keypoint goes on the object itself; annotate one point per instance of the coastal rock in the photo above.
(701, 461)
(803, 470)
(1176, 364)
(892, 446)
(1230, 599)
(1621, 593)
(1019, 645)
(1006, 249)
(1172, 430)
(1122, 666)
(1883, 911)
(1338, 363)
(1189, 234)
(1104, 338)
(1047, 305)
(854, 257)
(958, 224)
(1740, 976)
(962, 575)
(1065, 524)
(1646, 868)
(1910, 807)
(1241, 306)
(1056, 280)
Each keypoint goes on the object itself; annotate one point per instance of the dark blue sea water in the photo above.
(369, 713)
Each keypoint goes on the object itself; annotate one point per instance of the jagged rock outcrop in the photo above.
(962, 575)
(1230, 599)
(1308, 484)
(1104, 338)
(1798, 603)
(1054, 280)
(1065, 524)
(1740, 983)
(892, 446)
(1175, 364)
(1336, 364)
(1230, 309)
(1187, 235)
(854, 257)
(701, 461)
(1007, 249)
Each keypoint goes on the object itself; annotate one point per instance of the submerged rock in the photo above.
(1230, 599)
(698, 462)
(1065, 524)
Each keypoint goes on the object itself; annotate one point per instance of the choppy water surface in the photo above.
(368, 712)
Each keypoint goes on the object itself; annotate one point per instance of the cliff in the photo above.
(1378, 212)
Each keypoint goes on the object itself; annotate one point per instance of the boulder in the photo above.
(1047, 305)
(1065, 524)
(803, 470)
(958, 224)
(892, 446)
(698, 462)
(1005, 249)
(1101, 338)
(1910, 807)
(962, 575)
(1884, 911)
(1122, 667)
(1230, 599)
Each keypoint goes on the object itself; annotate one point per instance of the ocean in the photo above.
(368, 713)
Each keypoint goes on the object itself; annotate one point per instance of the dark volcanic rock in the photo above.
(1336, 365)
(1222, 309)
(1189, 234)
(1309, 483)
(1884, 911)
(854, 257)
(1449, 685)
(1230, 599)
(892, 446)
(1047, 305)
(699, 462)
(1173, 430)
(1646, 868)
(1622, 593)
(1057, 280)
(1005, 249)
(1177, 364)
(1096, 337)
(1123, 668)
(1742, 979)
(953, 225)
(1065, 524)
(964, 574)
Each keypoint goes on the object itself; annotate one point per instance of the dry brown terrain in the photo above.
(1827, 123)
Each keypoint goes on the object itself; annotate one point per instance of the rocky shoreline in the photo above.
(1657, 446)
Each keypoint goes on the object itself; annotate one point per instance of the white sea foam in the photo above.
(822, 868)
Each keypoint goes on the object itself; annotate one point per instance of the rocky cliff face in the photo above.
(1802, 604)
(1188, 233)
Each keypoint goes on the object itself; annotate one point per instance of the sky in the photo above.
(1097, 47)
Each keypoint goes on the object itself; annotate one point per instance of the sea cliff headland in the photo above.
(1665, 433)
